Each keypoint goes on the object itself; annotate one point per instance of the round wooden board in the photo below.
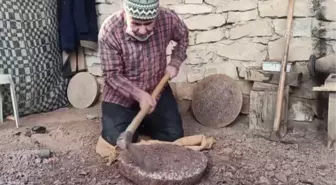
(82, 90)
(217, 101)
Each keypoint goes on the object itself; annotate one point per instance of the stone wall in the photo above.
(225, 34)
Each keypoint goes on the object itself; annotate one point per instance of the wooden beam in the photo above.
(292, 78)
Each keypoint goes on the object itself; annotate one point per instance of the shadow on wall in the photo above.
(319, 31)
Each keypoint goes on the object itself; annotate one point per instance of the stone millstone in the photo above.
(82, 90)
(217, 101)
(175, 165)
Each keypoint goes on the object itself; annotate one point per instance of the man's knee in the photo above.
(173, 131)
(115, 120)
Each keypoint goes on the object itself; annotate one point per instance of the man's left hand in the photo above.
(172, 71)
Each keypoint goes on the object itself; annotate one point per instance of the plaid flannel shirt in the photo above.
(127, 63)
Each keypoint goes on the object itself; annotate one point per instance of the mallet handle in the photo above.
(143, 112)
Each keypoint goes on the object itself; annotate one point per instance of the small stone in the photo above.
(286, 166)
(288, 172)
(239, 140)
(226, 151)
(91, 117)
(83, 173)
(238, 153)
(270, 166)
(38, 160)
(228, 174)
(28, 132)
(281, 177)
(224, 158)
(17, 134)
(263, 179)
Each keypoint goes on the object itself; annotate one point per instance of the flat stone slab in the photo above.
(175, 165)
(217, 101)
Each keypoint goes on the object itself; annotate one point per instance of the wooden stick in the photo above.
(280, 94)
(143, 112)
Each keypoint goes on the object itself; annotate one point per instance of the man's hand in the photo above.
(172, 71)
(146, 99)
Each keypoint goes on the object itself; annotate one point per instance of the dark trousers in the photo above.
(164, 123)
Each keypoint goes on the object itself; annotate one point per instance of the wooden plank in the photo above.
(73, 61)
(260, 86)
(65, 56)
(262, 109)
(81, 59)
(292, 78)
(328, 88)
(332, 120)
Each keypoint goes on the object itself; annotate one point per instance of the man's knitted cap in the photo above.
(142, 9)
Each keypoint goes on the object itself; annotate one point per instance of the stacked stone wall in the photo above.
(226, 34)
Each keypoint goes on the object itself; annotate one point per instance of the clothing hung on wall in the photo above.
(78, 24)
(78, 30)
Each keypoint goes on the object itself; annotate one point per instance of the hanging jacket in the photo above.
(77, 23)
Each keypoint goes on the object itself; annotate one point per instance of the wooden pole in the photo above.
(280, 94)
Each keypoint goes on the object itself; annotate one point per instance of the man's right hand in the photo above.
(146, 99)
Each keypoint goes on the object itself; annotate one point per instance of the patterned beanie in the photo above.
(142, 9)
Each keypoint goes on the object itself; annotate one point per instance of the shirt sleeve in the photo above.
(180, 35)
(112, 66)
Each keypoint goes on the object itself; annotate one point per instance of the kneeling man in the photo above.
(132, 47)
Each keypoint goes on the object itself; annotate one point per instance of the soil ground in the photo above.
(238, 157)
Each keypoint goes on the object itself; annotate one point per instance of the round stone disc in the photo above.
(217, 101)
(174, 165)
(82, 90)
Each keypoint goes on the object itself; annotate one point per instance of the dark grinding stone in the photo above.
(217, 101)
(176, 165)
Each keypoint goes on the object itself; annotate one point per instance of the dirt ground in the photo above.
(238, 157)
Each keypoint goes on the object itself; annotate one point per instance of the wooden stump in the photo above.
(217, 101)
(83, 90)
(263, 105)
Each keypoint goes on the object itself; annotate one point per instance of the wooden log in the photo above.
(292, 78)
(262, 106)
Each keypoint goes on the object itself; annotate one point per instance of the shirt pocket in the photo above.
(132, 59)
